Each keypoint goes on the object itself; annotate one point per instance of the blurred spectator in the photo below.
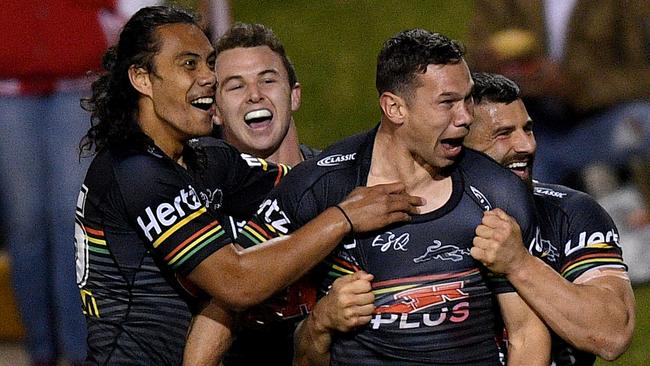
(584, 68)
(47, 49)
(215, 15)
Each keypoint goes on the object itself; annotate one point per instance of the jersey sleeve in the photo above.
(246, 179)
(289, 206)
(168, 214)
(496, 187)
(593, 239)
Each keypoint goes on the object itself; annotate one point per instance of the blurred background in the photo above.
(592, 118)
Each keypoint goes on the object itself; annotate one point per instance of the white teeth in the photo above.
(259, 113)
(204, 100)
(517, 165)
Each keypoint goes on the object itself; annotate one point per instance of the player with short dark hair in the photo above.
(257, 94)
(149, 237)
(433, 303)
(579, 258)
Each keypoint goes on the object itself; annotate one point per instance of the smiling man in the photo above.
(149, 236)
(257, 93)
(579, 259)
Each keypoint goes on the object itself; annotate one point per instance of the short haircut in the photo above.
(409, 53)
(254, 35)
(494, 88)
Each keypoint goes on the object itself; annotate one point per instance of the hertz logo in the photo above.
(167, 214)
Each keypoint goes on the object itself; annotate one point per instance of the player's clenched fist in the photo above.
(498, 244)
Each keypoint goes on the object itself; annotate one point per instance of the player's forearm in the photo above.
(241, 278)
(531, 346)
(311, 343)
(529, 341)
(595, 317)
(209, 338)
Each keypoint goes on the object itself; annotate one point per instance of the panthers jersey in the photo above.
(434, 303)
(142, 223)
(576, 235)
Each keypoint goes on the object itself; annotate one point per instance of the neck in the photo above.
(393, 161)
(166, 138)
(289, 150)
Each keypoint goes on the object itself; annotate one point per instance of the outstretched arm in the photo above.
(348, 305)
(597, 310)
(237, 279)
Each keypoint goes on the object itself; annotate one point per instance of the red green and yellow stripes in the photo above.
(193, 244)
(337, 267)
(96, 241)
(178, 225)
(401, 284)
(257, 233)
(589, 261)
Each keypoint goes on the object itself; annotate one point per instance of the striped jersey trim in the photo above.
(96, 241)
(179, 225)
(590, 259)
(401, 284)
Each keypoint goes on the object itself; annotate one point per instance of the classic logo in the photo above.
(549, 192)
(482, 200)
(389, 240)
(442, 252)
(335, 159)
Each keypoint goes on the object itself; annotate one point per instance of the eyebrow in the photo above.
(240, 77)
(194, 54)
(268, 71)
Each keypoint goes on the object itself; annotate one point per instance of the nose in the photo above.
(524, 142)
(465, 114)
(254, 94)
(207, 77)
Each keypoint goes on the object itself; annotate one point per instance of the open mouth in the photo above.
(204, 103)
(520, 167)
(258, 117)
(452, 143)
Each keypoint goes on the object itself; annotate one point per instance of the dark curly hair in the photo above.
(409, 53)
(254, 35)
(494, 88)
(114, 102)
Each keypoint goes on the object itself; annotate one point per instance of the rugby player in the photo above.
(148, 226)
(580, 260)
(434, 303)
(574, 276)
(257, 93)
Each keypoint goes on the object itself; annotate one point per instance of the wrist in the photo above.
(520, 267)
(317, 321)
(347, 218)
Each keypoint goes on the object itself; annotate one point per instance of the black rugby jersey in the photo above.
(435, 304)
(576, 235)
(264, 333)
(142, 220)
